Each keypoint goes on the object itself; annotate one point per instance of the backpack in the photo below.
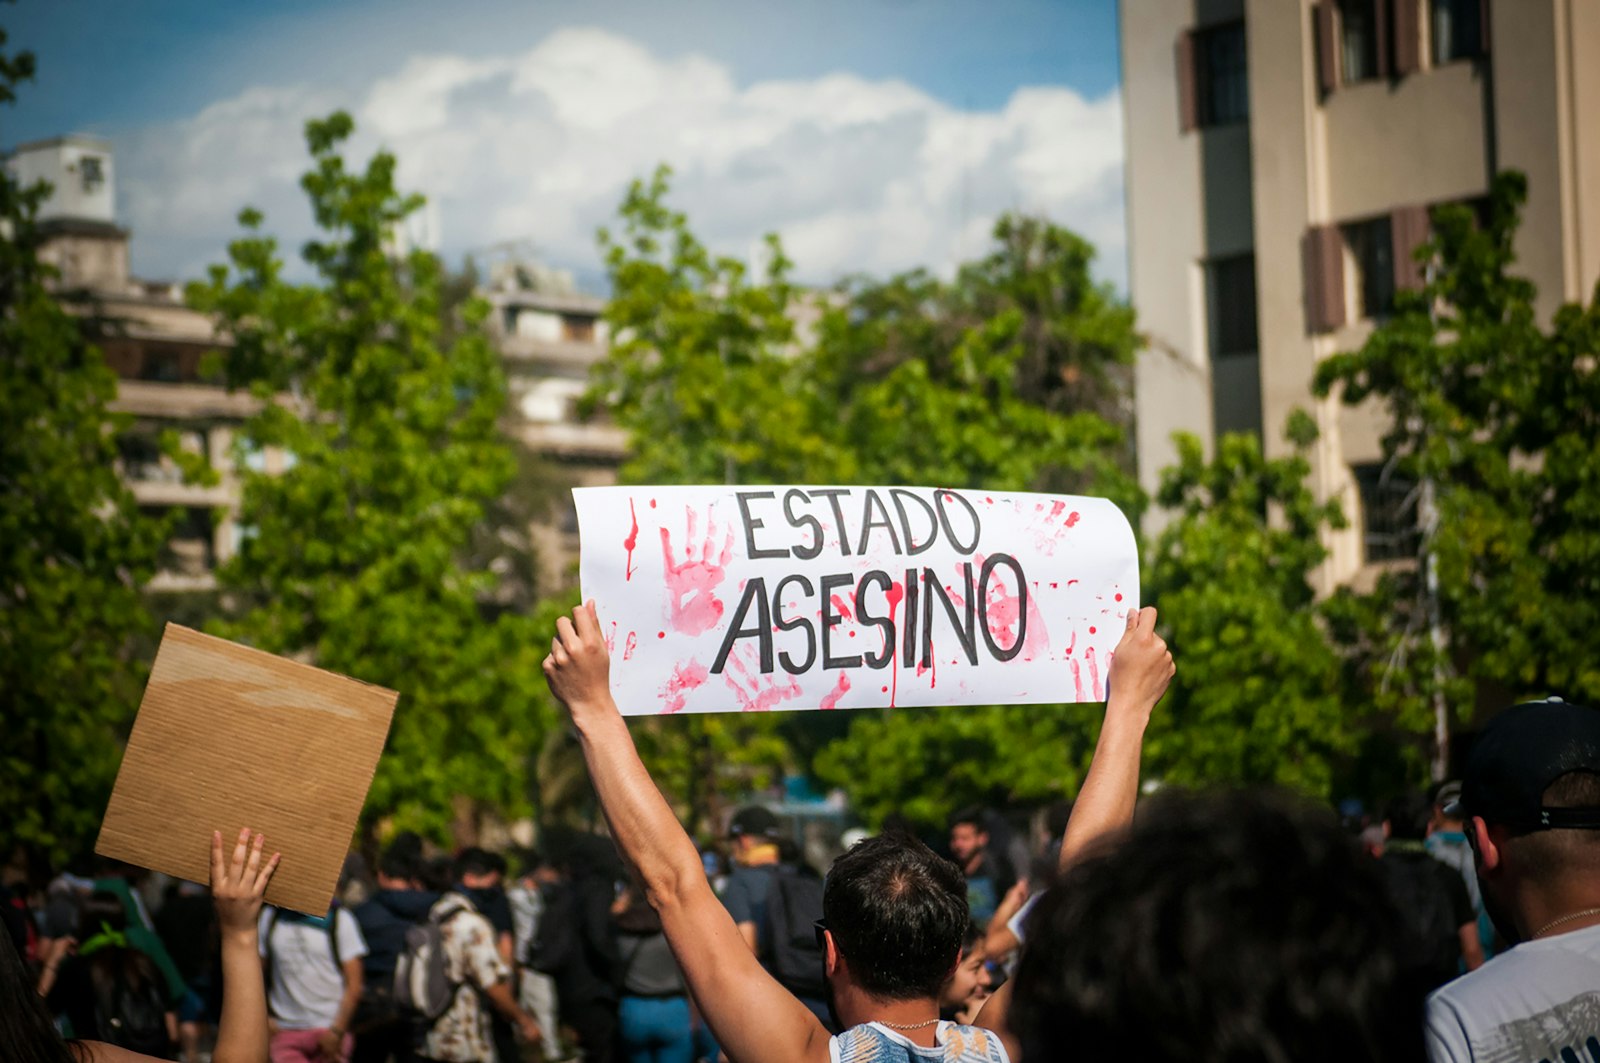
(331, 927)
(794, 904)
(130, 1010)
(422, 972)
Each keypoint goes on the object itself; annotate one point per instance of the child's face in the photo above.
(970, 979)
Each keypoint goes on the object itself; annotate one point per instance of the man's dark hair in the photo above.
(897, 911)
(1225, 926)
(972, 817)
(1408, 815)
(477, 861)
(400, 861)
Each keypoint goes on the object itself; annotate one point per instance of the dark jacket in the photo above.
(577, 944)
(384, 919)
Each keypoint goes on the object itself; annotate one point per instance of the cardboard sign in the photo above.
(721, 599)
(230, 737)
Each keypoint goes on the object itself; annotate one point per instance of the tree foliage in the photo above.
(1501, 415)
(355, 556)
(74, 547)
(1011, 376)
(1258, 696)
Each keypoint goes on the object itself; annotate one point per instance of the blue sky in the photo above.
(876, 135)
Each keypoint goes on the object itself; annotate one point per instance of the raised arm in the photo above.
(754, 1018)
(238, 888)
(1141, 668)
(1140, 671)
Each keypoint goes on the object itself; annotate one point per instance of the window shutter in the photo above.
(1407, 37)
(1327, 46)
(1188, 90)
(1408, 228)
(1323, 248)
(1380, 33)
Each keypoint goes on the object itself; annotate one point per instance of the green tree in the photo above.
(1258, 695)
(75, 547)
(355, 553)
(1011, 376)
(1496, 421)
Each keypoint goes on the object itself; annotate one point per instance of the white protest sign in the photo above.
(722, 599)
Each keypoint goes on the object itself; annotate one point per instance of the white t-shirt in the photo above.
(306, 986)
(1531, 1003)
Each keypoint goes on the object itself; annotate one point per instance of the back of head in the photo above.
(400, 862)
(1229, 926)
(477, 862)
(100, 912)
(1552, 855)
(898, 912)
(1407, 817)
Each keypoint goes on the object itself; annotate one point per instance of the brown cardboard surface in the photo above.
(229, 737)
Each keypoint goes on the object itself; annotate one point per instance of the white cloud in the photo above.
(857, 175)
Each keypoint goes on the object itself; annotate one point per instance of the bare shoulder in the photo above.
(100, 1052)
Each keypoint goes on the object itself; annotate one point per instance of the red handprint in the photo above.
(694, 608)
(685, 680)
(756, 692)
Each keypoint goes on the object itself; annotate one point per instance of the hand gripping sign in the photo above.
(722, 599)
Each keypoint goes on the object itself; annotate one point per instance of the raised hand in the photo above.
(579, 667)
(239, 885)
(1141, 666)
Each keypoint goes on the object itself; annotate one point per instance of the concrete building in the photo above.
(155, 344)
(550, 336)
(1281, 158)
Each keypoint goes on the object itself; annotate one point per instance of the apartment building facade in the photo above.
(549, 336)
(1282, 156)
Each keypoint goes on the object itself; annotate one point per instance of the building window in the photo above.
(1231, 299)
(164, 367)
(1371, 248)
(1388, 513)
(578, 329)
(1223, 74)
(1457, 30)
(1358, 40)
(92, 172)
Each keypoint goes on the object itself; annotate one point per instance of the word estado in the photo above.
(901, 605)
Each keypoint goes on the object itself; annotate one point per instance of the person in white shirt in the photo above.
(313, 983)
(1530, 799)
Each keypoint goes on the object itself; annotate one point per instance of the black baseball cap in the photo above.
(755, 821)
(1516, 758)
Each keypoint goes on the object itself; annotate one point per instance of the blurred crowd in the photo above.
(1459, 925)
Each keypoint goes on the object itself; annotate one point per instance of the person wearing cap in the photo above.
(1530, 802)
(753, 834)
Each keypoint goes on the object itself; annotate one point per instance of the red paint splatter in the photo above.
(1119, 597)
(1073, 644)
(611, 638)
(631, 645)
(989, 500)
(1054, 586)
(896, 594)
(756, 692)
(1005, 611)
(685, 679)
(831, 699)
(694, 607)
(842, 609)
(1073, 518)
(884, 689)
(1057, 508)
(661, 634)
(1077, 682)
(1070, 582)
(652, 503)
(1091, 629)
(631, 541)
(1094, 674)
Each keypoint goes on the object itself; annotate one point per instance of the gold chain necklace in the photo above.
(1552, 924)
(905, 1026)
